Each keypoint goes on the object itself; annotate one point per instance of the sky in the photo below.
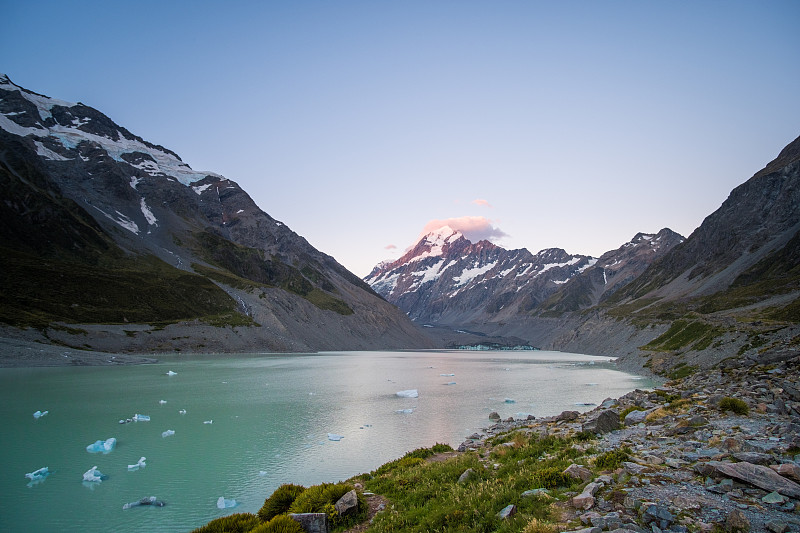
(570, 124)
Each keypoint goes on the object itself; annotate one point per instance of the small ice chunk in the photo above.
(447, 374)
(37, 475)
(171, 373)
(139, 464)
(39, 414)
(208, 421)
(168, 433)
(410, 393)
(93, 475)
(223, 503)
(509, 400)
(335, 437)
(103, 446)
(405, 411)
(141, 418)
(162, 402)
(450, 383)
(262, 473)
(182, 411)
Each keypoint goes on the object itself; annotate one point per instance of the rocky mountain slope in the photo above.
(731, 290)
(110, 242)
(447, 281)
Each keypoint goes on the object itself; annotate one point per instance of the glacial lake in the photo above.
(270, 416)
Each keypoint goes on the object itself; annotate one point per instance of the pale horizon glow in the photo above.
(560, 124)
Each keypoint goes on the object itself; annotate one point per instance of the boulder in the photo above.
(494, 415)
(788, 470)
(507, 512)
(585, 500)
(655, 514)
(567, 416)
(311, 522)
(635, 417)
(604, 422)
(760, 476)
(753, 457)
(347, 504)
(578, 472)
(737, 521)
(466, 475)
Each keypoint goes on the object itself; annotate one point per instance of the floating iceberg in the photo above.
(447, 374)
(410, 393)
(335, 437)
(93, 475)
(208, 421)
(182, 411)
(39, 414)
(171, 373)
(168, 433)
(141, 418)
(162, 402)
(38, 475)
(140, 463)
(450, 383)
(223, 503)
(509, 400)
(405, 411)
(104, 446)
(145, 501)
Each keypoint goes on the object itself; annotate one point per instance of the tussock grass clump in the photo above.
(321, 499)
(613, 459)
(280, 501)
(279, 524)
(235, 523)
(736, 405)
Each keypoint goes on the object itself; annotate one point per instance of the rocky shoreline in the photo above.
(691, 464)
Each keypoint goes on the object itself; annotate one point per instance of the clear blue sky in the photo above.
(576, 124)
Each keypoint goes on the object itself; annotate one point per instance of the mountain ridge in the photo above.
(131, 216)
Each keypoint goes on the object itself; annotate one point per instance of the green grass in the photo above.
(736, 405)
(117, 290)
(426, 496)
(683, 333)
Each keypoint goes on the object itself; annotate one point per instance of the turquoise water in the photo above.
(271, 415)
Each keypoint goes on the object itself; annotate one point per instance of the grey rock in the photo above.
(788, 470)
(774, 497)
(753, 457)
(578, 472)
(311, 522)
(776, 526)
(507, 511)
(635, 417)
(494, 415)
(347, 504)
(760, 476)
(655, 514)
(633, 468)
(604, 422)
(737, 521)
(587, 530)
(467, 475)
(567, 416)
(608, 521)
(535, 492)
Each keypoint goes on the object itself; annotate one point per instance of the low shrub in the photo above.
(613, 459)
(235, 523)
(280, 501)
(551, 478)
(279, 524)
(734, 404)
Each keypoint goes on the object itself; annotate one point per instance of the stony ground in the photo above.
(692, 465)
